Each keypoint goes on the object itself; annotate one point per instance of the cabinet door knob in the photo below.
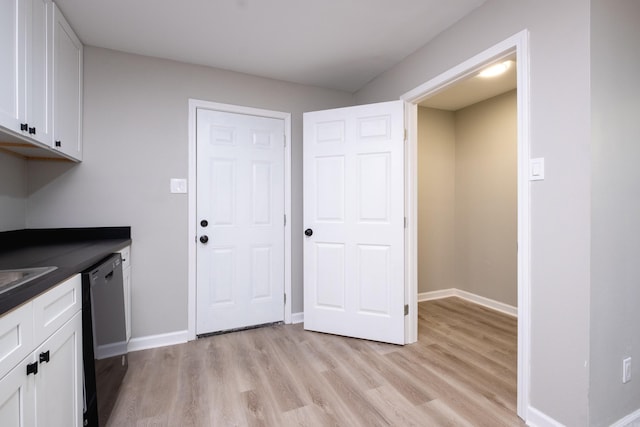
(204, 239)
(44, 357)
(58, 143)
(24, 127)
(32, 131)
(32, 368)
(308, 232)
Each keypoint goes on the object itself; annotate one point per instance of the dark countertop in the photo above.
(72, 250)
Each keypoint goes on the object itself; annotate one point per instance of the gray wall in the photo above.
(436, 199)
(13, 192)
(560, 205)
(486, 220)
(135, 140)
(615, 266)
(467, 199)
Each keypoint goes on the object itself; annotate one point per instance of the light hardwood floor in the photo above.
(461, 372)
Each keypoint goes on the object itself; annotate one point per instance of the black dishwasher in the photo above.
(104, 338)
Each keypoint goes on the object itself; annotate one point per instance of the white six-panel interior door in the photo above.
(240, 220)
(353, 170)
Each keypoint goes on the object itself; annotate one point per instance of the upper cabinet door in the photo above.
(39, 71)
(13, 50)
(25, 70)
(67, 87)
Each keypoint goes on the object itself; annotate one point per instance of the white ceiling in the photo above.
(337, 44)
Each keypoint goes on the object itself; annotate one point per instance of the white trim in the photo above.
(160, 340)
(431, 295)
(471, 297)
(193, 105)
(411, 212)
(633, 419)
(297, 317)
(540, 419)
(110, 350)
(519, 44)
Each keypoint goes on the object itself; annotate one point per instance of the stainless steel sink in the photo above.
(10, 279)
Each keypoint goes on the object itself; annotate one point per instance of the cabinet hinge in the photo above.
(406, 309)
(285, 220)
(405, 134)
(406, 223)
(284, 139)
(285, 299)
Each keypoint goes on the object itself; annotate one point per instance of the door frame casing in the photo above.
(518, 44)
(194, 104)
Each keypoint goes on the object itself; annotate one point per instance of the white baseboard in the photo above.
(444, 293)
(297, 317)
(110, 350)
(631, 420)
(161, 340)
(536, 418)
(486, 302)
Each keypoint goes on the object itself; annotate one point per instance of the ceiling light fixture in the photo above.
(495, 69)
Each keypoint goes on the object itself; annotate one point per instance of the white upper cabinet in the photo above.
(39, 71)
(12, 66)
(67, 88)
(25, 71)
(40, 81)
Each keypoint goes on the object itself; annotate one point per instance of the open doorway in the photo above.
(467, 190)
(516, 48)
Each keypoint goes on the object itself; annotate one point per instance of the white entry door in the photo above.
(240, 214)
(354, 221)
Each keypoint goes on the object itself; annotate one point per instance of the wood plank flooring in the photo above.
(461, 372)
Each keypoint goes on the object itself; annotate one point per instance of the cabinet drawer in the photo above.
(125, 253)
(52, 309)
(16, 337)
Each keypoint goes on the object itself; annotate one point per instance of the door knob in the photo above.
(308, 232)
(204, 239)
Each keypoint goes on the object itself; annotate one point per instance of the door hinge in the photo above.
(285, 220)
(406, 309)
(405, 222)
(284, 139)
(405, 134)
(285, 299)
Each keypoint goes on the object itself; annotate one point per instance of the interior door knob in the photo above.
(308, 232)
(204, 239)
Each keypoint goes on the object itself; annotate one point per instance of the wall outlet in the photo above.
(626, 370)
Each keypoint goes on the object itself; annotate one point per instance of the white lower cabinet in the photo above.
(59, 380)
(17, 396)
(45, 387)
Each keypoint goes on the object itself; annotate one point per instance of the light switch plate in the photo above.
(178, 185)
(536, 169)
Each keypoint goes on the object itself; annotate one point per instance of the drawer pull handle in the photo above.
(44, 357)
(32, 368)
